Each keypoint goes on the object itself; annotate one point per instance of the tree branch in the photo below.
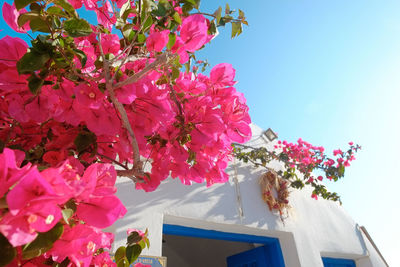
(160, 60)
(136, 170)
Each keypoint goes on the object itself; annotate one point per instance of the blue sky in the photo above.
(326, 71)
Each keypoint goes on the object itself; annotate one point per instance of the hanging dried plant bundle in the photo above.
(274, 191)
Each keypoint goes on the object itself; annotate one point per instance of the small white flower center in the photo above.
(49, 219)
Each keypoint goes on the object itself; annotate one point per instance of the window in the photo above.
(332, 262)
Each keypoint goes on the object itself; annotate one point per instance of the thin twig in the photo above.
(114, 161)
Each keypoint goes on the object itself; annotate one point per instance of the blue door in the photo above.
(332, 262)
(256, 257)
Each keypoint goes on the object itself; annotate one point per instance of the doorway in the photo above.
(194, 247)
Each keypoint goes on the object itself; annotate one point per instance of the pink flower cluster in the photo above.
(35, 201)
(184, 126)
(302, 154)
(307, 157)
(213, 116)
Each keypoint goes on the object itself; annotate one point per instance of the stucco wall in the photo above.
(314, 228)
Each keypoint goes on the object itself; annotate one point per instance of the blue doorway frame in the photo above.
(273, 246)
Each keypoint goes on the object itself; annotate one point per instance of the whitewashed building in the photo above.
(230, 225)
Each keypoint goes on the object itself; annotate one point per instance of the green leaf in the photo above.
(236, 29)
(67, 213)
(31, 62)
(53, 10)
(82, 56)
(133, 238)
(3, 202)
(35, 7)
(190, 2)
(77, 27)
(120, 253)
(161, 10)
(227, 9)
(217, 14)
(133, 252)
(177, 18)
(123, 263)
(127, 13)
(84, 140)
(61, 62)
(147, 24)
(64, 263)
(175, 73)
(187, 7)
(241, 14)
(141, 38)
(8, 252)
(128, 33)
(38, 25)
(341, 171)
(42, 243)
(71, 205)
(67, 6)
(171, 41)
(212, 30)
(26, 17)
(34, 84)
(19, 4)
(148, 5)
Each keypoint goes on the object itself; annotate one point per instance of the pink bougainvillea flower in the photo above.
(22, 227)
(100, 121)
(110, 43)
(54, 157)
(11, 14)
(38, 109)
(157, 41)
(103, 260)
(194, 32)
(32, 188)
(179, 48)
(79, 243)
(105, 178)
(10, 173)
(90, 4)
(89, 95)
(337, 152)
(223, 74)
(126, 94)
(241, 132)
(76, 3)
(11, 50)
(104, 14)
(16, 108)
(101, 211)
(16, 229)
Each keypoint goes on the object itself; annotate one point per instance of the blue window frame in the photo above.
(272, 245)
(333, 262)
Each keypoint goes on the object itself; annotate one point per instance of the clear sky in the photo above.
(326, 71)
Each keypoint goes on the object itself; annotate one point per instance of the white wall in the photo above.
(314, 228)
